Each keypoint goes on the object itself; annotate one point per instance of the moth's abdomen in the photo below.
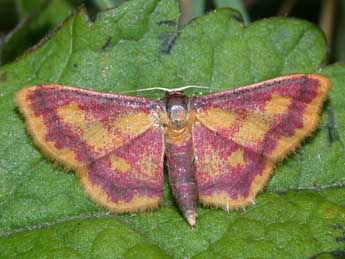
(181, 176)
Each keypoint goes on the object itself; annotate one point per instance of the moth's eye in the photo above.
(178, 114)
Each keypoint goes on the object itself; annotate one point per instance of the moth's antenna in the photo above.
(166, 89)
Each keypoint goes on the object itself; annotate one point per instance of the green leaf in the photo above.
(26, 8)
(314, 224)
(139, 45)
(106, 4)
(82, 238)
(337, 75)
(235, 4)
(37, 19)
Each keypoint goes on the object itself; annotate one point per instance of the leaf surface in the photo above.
(37, 18)
(139, 45)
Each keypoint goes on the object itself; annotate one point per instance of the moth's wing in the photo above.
(240, 134)
(227, 174)
(113, 142)
(130, 178)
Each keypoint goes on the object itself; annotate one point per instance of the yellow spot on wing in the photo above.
(119, 164)
(71, 114)
(89, 129)
(216, 118)
(101, 139)
(236, 158)
(147, 167)
(132, 122)
(212, 163)
(252, 130)
(278, 104)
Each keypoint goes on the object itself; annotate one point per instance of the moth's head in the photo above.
(177, 108)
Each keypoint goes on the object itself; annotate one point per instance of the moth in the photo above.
(220, 148)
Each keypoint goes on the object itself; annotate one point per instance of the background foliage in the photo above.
(44, 213)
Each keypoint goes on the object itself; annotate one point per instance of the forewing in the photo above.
(89, 131)
(267, 120)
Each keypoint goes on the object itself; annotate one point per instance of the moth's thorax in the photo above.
(179, 118)
(177, 109)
